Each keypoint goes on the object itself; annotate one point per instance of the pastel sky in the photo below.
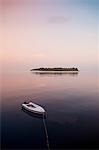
(36, 33)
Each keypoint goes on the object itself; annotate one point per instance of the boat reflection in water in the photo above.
(72, 73)
(43, 117)
(34, 114)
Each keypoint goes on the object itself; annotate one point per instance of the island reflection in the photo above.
(55, 73)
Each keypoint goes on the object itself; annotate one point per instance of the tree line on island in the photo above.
(55, 69)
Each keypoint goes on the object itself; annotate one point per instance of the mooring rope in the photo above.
(47, 139)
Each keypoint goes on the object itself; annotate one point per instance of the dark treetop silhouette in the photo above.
(55, 69)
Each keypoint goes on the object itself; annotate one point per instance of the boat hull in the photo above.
(34, 109)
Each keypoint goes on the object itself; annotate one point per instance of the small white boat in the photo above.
(32, 107)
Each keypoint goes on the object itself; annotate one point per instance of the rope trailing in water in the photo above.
(47, 140)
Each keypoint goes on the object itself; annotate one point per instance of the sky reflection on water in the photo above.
(71, 102)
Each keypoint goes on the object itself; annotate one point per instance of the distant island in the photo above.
(55, 69)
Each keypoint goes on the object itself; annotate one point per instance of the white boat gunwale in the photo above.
(32, 107)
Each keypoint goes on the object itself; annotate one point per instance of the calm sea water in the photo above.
(71, 102)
